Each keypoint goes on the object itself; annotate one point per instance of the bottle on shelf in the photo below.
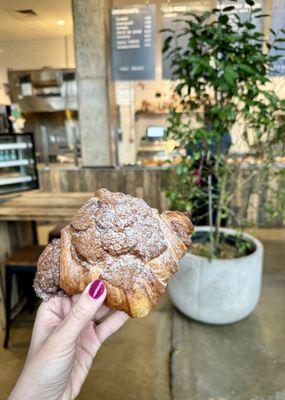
(14, 155)
(7, 155)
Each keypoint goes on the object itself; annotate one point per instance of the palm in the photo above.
(77, 360)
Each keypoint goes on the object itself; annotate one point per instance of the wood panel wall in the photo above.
(248, 203)
(149, 184)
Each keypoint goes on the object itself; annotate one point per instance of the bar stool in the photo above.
(21, 263)
(55, 232)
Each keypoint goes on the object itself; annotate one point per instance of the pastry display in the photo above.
(124, 242)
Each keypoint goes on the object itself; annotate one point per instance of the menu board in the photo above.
(169, 16)
(133, 42)
(278, 23)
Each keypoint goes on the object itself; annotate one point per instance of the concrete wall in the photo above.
(91, 32)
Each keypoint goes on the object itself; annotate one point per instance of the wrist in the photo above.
(29, 386)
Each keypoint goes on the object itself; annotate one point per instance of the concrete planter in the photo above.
(218, 291)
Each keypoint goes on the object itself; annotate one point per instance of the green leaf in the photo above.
(273, 32)
(197, 155)
(179, 87)
(166, 44)
(256, 10)
(230, 75)
(166, 30)
(249, 25)
(230, 8)
(261, 15)
(223, 19)
(246, 68)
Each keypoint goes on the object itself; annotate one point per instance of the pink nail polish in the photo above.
(96, 289)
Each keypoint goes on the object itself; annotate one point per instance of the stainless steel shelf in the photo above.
(15, 179)
(34, 104)
(15, 163)
(15, 146)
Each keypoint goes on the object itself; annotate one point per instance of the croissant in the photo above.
(122, 241)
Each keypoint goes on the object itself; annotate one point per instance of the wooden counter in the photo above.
(147, 183)
(152, 183)
(41, 206)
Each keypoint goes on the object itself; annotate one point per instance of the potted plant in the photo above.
(222, 86)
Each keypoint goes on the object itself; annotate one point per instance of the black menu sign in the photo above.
(133, 42)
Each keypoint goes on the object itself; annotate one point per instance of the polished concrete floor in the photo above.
(166, 356)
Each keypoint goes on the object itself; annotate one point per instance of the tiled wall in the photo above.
(34, 54)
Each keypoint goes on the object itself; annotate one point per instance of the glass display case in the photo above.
(17, 163)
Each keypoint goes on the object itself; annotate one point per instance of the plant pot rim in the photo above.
(233, 232)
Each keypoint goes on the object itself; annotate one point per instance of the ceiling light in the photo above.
(60, 22)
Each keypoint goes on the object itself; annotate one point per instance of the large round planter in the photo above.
(218, 291)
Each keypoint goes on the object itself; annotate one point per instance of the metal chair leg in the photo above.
(29, 292)
(8, 305)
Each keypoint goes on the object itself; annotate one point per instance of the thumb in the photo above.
(84, 309)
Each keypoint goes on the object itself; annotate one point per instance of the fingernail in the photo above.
(96, 289)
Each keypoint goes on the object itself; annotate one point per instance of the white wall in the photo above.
(34, 54)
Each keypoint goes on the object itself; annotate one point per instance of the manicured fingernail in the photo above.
(96, 289)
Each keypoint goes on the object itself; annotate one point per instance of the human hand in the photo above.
(64, 342)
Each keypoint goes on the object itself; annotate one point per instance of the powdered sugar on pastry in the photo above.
(121, 240)
(46, 282)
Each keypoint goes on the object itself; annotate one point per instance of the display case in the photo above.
(17, 163)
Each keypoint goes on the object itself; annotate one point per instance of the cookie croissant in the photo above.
(122, 241)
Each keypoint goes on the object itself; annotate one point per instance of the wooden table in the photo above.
(41, 206)
(19, 213)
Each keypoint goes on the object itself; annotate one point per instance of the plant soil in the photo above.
(225, 251)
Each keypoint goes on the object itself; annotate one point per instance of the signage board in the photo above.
(133, 36)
